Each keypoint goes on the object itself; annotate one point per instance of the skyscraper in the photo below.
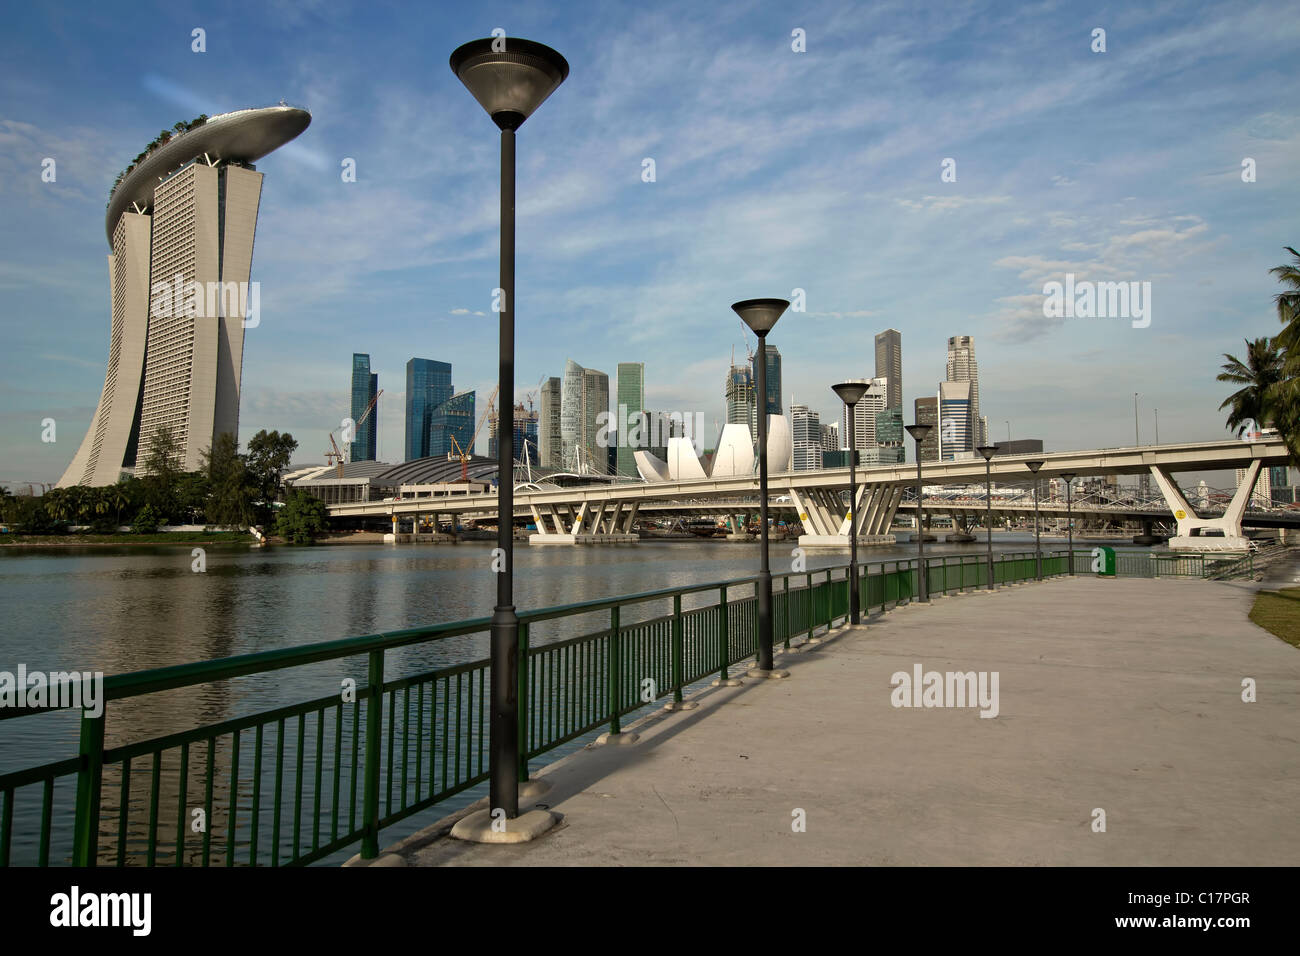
(927, 413)
(428, 385)
(889, 436)
(889, 364)
(525, 435)
(954, 420)
(740, 396)
(595, 400)
(864, 415)
(549, 444)
(365, 385)
(454, 418)
(584, 394)
(772, 383)
(806, 435)
(830, 436)
(180, 224)
(631, 401)
(963, 368)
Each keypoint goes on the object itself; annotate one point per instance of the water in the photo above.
(122, 609)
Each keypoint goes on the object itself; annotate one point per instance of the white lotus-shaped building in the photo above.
(734, 457)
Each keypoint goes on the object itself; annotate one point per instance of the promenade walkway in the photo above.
(1123, 695)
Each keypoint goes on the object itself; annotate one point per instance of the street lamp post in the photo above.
(986, 451)
(761, 315)
(1069, 520)
(1038, 552)
(919, 434)
(850, 394)
(510, 78)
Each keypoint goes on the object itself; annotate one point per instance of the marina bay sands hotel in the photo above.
(180, 224)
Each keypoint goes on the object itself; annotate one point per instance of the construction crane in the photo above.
(337, 458)
(463, 454)
(361, 421)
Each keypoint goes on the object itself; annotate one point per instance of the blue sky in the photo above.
(775, 170)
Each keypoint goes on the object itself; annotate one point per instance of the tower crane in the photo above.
(464, 454)
(336, 457)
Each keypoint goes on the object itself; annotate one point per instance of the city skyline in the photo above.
(1151, 188)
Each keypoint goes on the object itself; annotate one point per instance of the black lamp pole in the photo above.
(851, 393)
(761, 315)
(1038, 552)
(919, 434)
(510, 78)
(987, 452)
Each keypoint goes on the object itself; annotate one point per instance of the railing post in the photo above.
(374, 728)
(812, 626)
(85, 839)
(615, 671)
(724, 642)
(830, 611)
(523, 702)
(787, 611)
(677, 648)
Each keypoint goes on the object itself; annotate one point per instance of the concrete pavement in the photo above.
(1117, 695)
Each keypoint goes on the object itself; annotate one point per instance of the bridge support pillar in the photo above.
(596, 522)
(1226, 533)
(826, 520)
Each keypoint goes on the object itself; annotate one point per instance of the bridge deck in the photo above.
(1129, 700)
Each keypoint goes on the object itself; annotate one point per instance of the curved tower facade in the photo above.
(180, 225)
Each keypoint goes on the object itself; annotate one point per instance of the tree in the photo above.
(230, 498)
(1286, 394)
(301, 519)
(1259, 376)
(192, 491)
(119, 497)
(146, 521)
(268, 457)
(162, 467)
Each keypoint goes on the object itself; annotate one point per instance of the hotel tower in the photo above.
(180, 226)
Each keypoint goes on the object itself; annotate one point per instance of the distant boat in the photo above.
(702, 527)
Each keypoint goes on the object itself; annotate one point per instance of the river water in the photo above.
(120, 609)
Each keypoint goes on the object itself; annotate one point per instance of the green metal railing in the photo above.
(297, 783)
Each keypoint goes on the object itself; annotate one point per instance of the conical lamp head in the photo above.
(851, 393)
(761, 314)
(512, 81)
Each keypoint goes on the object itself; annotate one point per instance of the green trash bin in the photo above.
(1103, 562)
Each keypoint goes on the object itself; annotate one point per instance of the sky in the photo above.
(776, 169)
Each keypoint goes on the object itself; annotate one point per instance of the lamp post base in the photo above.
(482, 827)
(759, 673)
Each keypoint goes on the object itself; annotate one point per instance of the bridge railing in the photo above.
(297, 783)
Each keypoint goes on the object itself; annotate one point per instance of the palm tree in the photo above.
(1286, 394)
(119, 497)
(1288, 303)
(1259, 375)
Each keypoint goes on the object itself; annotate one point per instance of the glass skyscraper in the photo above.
(428, 385)
(774, 380)
(365, 385)
(631, 401)
(454, 418)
